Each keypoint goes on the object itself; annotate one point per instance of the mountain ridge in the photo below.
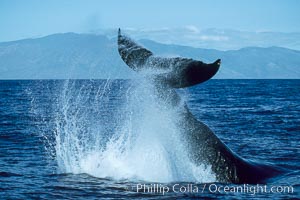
(91, 56)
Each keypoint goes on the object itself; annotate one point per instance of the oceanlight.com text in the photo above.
(211, 188)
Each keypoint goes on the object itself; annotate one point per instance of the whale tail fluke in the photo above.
(131, 53)
(176, 72)
(217, 62)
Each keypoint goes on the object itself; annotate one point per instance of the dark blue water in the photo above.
(257, 119)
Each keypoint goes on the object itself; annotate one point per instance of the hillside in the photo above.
(86, 56)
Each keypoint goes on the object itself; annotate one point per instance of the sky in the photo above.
(35, 18)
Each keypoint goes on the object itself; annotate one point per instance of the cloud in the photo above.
(192, 29)
(213, 38)
(216, 38)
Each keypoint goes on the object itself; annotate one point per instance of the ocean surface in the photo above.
(109, 139)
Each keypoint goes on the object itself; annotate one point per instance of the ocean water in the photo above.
(112, 139)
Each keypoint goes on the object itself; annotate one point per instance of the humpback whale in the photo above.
(203, 145)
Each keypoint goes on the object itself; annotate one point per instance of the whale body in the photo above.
(204, 145)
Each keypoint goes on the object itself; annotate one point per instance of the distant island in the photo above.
(95, 56)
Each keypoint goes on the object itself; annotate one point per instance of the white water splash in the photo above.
(145, 145)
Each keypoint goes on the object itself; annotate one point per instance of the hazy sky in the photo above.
(32, 18)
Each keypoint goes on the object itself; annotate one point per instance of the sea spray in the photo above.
(122, 132)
